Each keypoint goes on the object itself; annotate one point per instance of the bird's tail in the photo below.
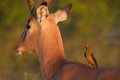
(95, 66)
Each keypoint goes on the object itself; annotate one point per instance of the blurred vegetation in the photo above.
(96, 22)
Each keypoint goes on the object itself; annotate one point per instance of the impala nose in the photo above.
(18, 50)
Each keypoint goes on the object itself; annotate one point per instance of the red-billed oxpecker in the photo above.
(89, 55)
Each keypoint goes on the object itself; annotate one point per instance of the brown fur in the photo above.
(44, 38)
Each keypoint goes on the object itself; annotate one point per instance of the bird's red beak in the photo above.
(85, 45)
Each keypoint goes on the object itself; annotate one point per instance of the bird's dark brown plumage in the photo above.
(90, 57)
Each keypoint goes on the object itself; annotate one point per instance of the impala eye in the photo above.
(28, 26)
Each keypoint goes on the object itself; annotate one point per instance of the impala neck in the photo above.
(50, 53)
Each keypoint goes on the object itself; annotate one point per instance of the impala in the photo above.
(42, 36)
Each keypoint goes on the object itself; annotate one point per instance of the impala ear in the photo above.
(42, 12)
(63, 13)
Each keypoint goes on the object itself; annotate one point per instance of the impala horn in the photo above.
(31, 7)
(46, 2)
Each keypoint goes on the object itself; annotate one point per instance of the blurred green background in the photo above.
(96, 22)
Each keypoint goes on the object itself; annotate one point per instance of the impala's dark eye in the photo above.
(28, 26)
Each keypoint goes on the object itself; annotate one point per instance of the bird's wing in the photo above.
(85, 54)
(93, 57)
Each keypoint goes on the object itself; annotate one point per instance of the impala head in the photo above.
(39, 19)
